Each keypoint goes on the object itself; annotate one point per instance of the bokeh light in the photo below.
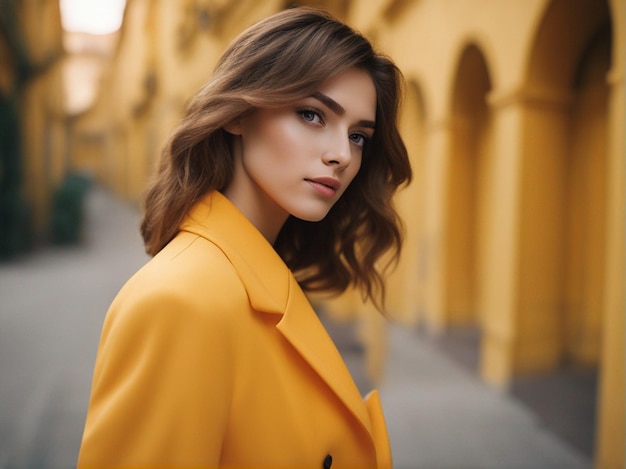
(92, 16)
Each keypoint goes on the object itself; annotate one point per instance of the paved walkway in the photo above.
(51, 308)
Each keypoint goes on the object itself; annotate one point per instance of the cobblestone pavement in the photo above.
(52, 304)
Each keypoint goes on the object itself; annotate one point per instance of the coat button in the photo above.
(328, 461)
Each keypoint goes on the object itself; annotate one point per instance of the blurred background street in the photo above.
(52, 304)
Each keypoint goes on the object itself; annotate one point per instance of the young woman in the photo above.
(279, 180)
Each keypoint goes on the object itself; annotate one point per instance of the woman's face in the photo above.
(299, 159)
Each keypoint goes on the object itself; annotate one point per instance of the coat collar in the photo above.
(261, 270)
(272, 288)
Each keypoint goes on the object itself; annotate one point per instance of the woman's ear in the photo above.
(234, 127)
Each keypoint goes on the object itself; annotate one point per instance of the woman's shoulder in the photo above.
(191, 276)
(193, 257)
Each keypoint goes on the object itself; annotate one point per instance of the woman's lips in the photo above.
(324, 186)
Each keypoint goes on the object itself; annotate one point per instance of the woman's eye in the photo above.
(308, 115)
(359, 139)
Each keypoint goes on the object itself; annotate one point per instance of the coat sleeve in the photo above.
(162, 384)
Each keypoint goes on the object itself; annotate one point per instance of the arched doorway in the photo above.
(563, 226)
(466, 217)
(586, 204)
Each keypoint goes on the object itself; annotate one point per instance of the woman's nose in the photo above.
(338, 153)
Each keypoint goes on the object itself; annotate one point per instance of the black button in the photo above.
(328, 461)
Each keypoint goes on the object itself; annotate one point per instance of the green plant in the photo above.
(67, 212)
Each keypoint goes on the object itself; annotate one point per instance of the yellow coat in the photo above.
(211, 356)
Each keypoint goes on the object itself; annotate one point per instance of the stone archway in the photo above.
(467, 188)
(586, 204)
(466, 214)
(562, 200)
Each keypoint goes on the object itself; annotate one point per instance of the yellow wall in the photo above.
(41, 107)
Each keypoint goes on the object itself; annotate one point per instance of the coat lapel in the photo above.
(303, 329)
(272, 288)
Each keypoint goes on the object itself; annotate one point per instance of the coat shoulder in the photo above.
(191, 276)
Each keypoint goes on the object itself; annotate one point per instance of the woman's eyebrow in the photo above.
(329, 103)
(338, 109)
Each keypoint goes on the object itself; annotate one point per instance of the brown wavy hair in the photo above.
(275, 62)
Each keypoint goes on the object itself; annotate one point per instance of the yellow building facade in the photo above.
(31, 84)
(515, 119)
